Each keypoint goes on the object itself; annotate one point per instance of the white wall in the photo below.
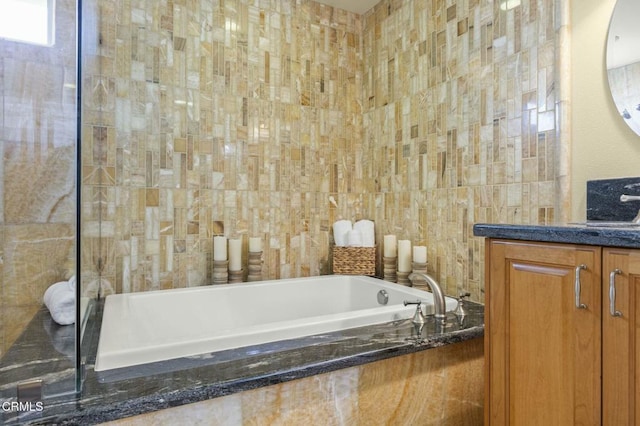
(602, 144)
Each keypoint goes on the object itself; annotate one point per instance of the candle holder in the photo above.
(220, 272)
(419, 268)
(235, 276)
(390, 268)
(403, 278)
(255, 266)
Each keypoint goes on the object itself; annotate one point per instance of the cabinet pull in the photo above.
(612, 293)
(579, 305)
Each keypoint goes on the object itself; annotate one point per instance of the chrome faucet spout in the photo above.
(438, 296)
(626, 198)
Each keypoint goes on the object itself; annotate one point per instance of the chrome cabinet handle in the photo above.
(612, 293)
(576, 289)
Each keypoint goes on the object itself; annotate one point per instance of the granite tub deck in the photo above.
(146, 389)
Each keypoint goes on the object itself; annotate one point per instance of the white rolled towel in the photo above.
(354, 238)
(367, 229)
(340, 232)
(60, 299)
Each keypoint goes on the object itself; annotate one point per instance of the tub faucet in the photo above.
(438, 297)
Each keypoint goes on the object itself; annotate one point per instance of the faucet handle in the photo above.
(418, 317)
(626, 198)
(460, 311)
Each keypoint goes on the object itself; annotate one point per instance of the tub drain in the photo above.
(383, 297)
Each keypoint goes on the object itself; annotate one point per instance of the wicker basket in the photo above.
(354, 260)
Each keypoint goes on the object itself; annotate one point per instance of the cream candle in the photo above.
(390, 246)
(420, 254)
(219, 248)
(404, 256)
(235, 254)
(255, 245)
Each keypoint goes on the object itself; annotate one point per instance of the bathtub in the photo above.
(142, 328)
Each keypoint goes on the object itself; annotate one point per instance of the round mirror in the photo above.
(623, 61)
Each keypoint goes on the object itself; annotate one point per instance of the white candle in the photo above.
(219, 248)
(255, 244)
(390, 246)
(404, 256)
(235, 254)
(420, 254)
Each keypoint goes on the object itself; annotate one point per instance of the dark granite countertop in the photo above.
(137, 390)
(592, 234)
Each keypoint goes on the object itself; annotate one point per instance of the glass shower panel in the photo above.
(38, 210)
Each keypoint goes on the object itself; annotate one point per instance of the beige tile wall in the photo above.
(243, 118)
(459, 125)
(225, 118)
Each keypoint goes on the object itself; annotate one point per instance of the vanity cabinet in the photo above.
(621, 337)
(542, 352)
(562, 334)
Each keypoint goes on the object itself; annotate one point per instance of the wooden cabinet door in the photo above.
(542, 352)
(620, 337)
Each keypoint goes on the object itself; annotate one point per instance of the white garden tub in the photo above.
(140, 328)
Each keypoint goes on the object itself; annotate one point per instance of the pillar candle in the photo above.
(390, 246)
(420, 254)
(404, 256)
(255, 244)
(235, 254)
(219, 248)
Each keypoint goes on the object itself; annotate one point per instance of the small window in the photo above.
(28, 21)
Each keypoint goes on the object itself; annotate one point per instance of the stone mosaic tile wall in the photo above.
(243, 118)
(210, 118)
(459, 125)
(37, 171)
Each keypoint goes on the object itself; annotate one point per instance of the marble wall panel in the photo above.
(34, 257)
